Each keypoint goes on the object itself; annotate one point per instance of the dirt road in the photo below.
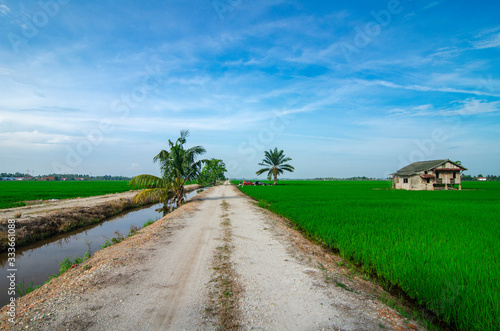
(41, 209)
(218, 262)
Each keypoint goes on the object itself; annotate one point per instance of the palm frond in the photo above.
(154, 194)
(197, 150)
(182, 138)
(261, 171)
(148, 181)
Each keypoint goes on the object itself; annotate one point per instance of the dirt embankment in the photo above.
(36, 222)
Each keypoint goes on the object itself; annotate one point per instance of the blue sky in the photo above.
(357, 88)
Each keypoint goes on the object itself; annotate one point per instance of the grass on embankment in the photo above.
(15, 193)
(441, 247)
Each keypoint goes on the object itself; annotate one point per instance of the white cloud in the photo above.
(46, 121)
(312, 137)
(4, 10)
(423, 107)
(464, 108)
(474, 107)
(487, 31)
(429, 88)
(487, 38)
(34, 138)
(491, 41)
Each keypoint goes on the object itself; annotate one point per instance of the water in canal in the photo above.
(36, 262)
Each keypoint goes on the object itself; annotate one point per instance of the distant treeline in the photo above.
(490, 178)
(57, 177)
(350, 178)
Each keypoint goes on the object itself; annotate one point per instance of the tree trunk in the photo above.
(181, 196)
(275, 178)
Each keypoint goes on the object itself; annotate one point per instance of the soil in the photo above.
(218, 262)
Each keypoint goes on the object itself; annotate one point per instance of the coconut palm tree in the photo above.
(178, 165)
(274, 163)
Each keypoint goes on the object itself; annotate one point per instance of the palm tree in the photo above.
(274, 162)
(178, 165)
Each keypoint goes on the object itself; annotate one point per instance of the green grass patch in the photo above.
(441, 247)
(22, 289)
(14, 193)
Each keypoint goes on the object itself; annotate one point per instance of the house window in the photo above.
(425, 172)
(428, 180)
(405, 180)
(437, 174)
(454, 175)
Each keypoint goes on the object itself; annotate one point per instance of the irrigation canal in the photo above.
(38, 261)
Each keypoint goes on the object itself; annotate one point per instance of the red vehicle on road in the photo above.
(247, 183)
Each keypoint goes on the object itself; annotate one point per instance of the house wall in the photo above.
(398, 183)
(447, 177)
(423, 181)
(413, 182)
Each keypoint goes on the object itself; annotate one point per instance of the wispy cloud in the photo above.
(4, 10)
(422, 88)
(464, 108)
(312, 137)
(433, 4)
(488, 31)
(35, 137)
(488, 42)
(487, 38)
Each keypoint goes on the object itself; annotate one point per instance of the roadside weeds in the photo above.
(225, 293)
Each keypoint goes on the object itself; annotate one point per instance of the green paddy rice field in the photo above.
(441, 247)
(14, 193)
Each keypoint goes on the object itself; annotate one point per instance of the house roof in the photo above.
(415, 167)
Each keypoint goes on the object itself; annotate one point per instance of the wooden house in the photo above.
(429, 175)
